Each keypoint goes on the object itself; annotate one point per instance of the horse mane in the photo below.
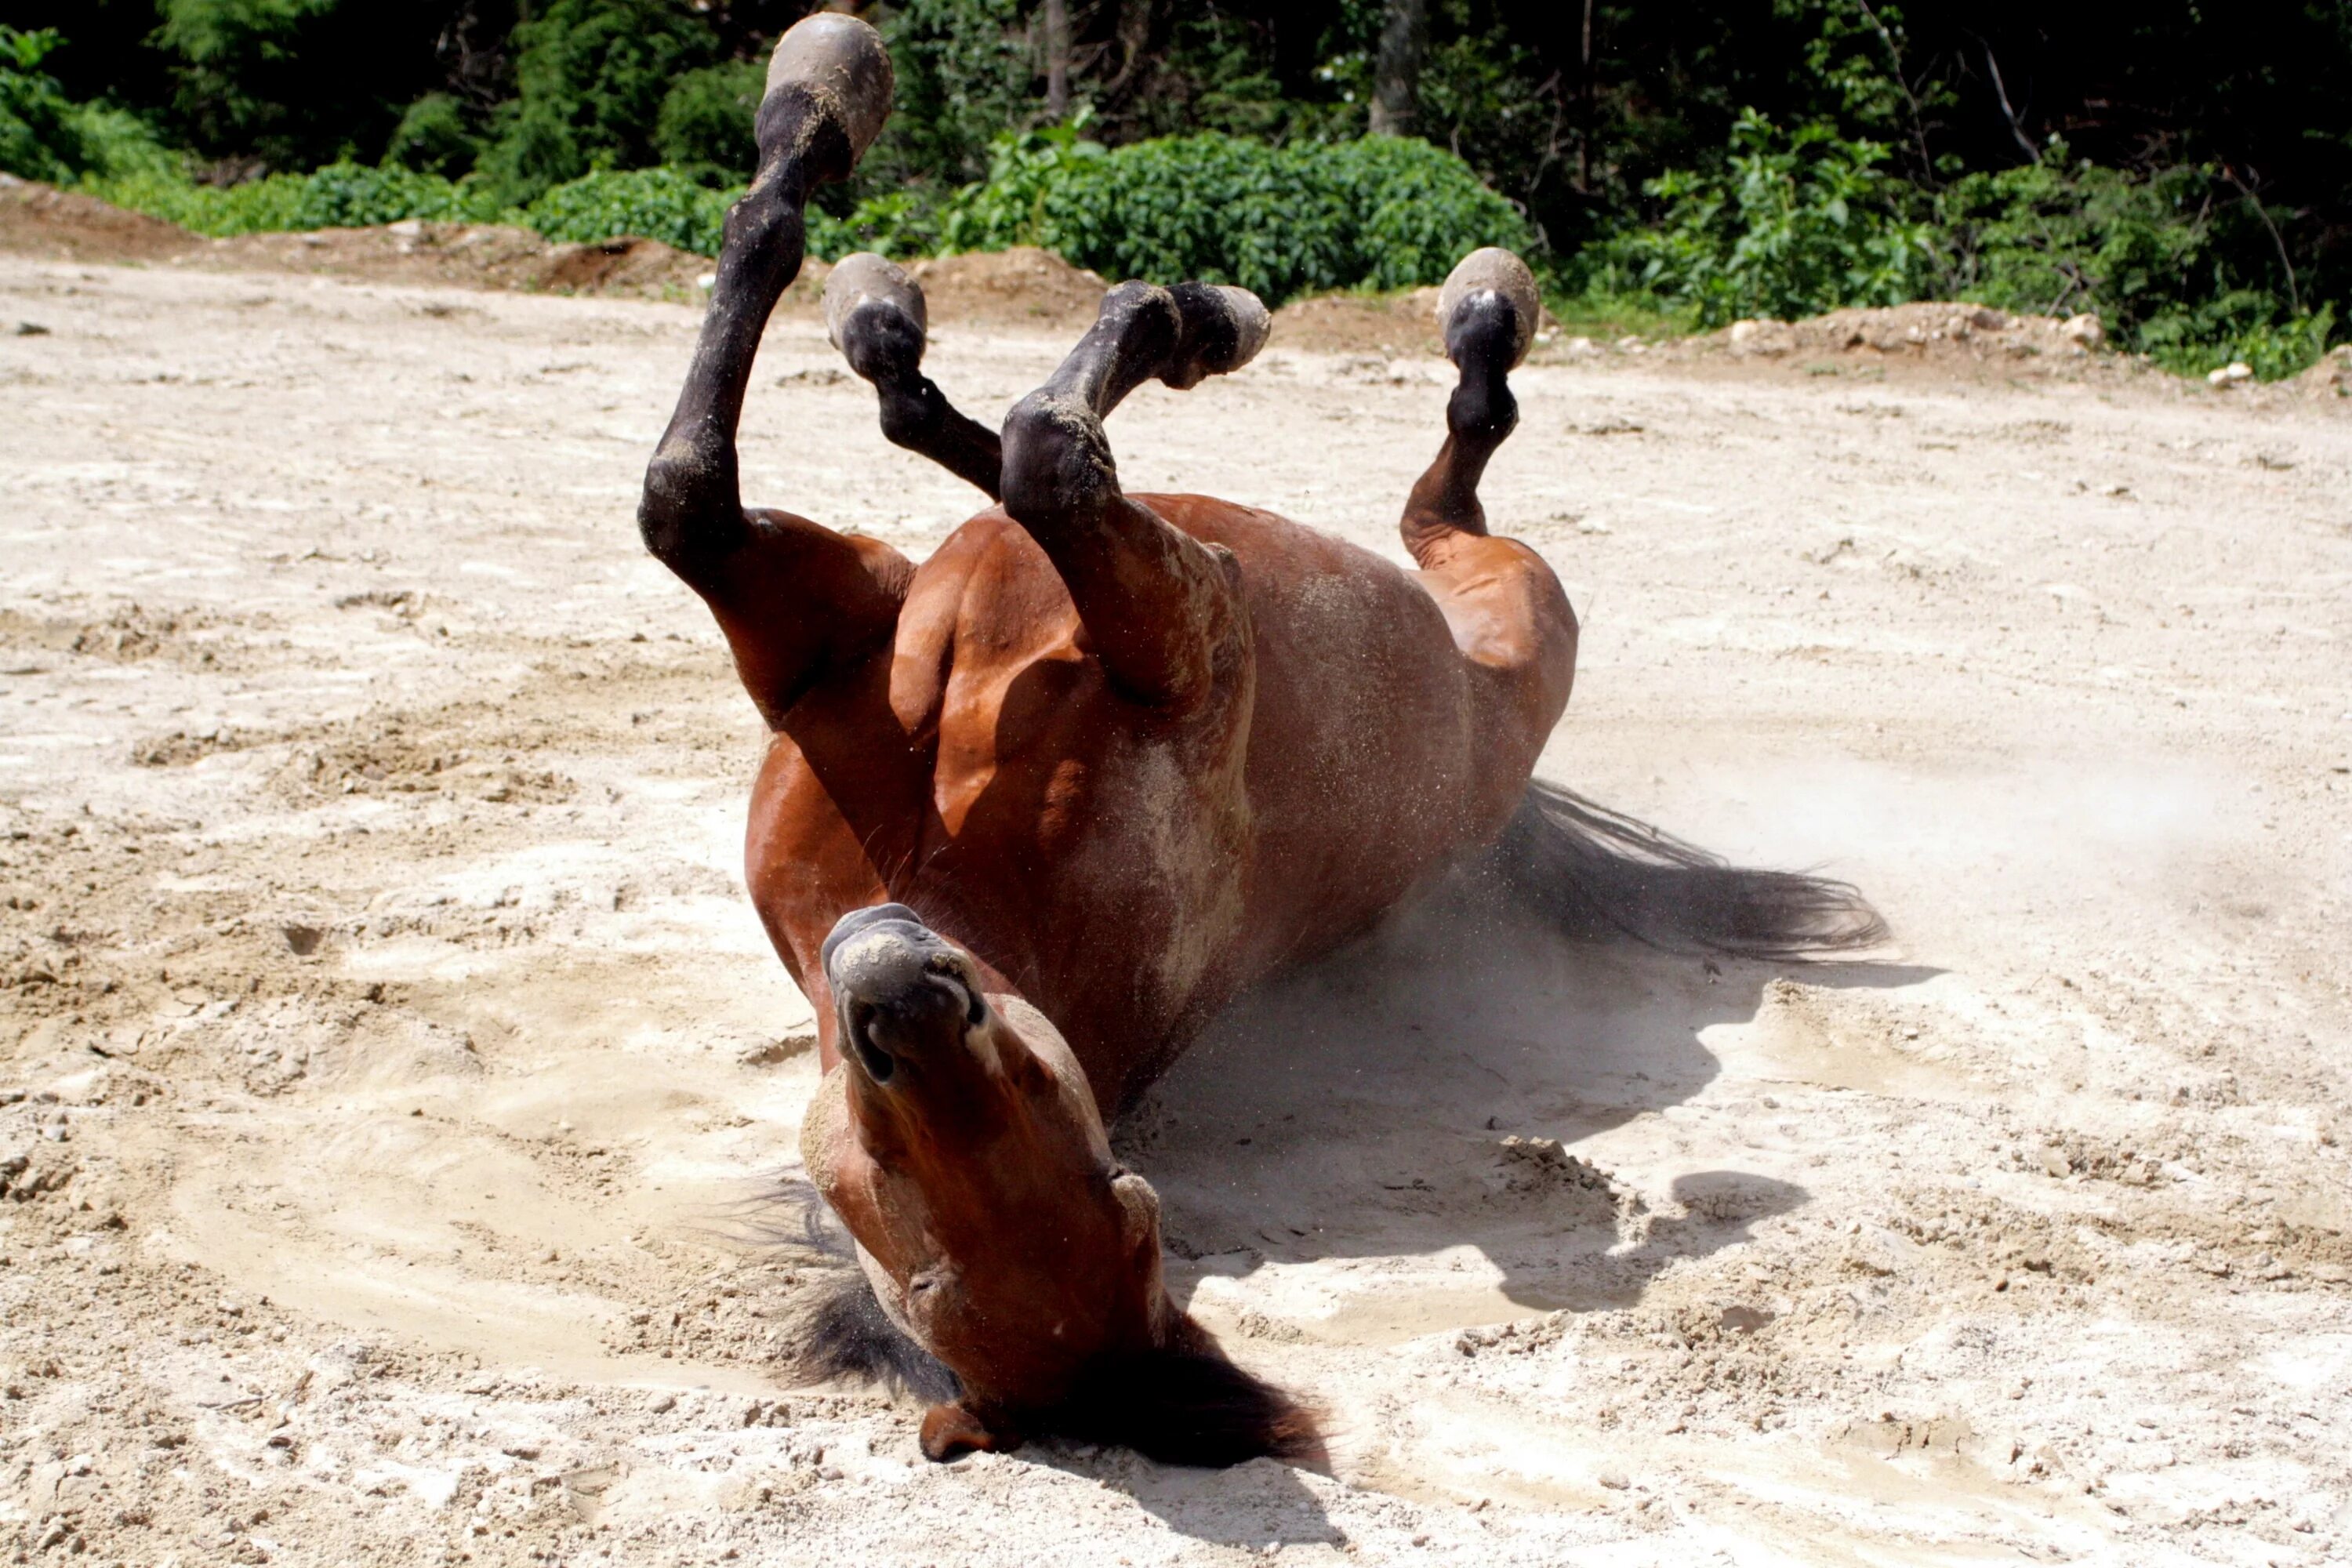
(838, 1331)
(1596, 873)
(1187, 1404)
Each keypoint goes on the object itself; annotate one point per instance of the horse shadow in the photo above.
(1424, 1090)
(1358, 1108)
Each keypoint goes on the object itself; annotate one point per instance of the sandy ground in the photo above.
(391, 1070)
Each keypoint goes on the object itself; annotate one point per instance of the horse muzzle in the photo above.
(903, 993)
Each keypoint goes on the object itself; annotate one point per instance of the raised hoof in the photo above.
(1492, 270)
(1224, 328)
(836, 72)
(950, 1431)
(867, 279)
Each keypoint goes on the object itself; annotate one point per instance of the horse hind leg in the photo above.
(875, 315)
(1488, 312)
(1158, 605)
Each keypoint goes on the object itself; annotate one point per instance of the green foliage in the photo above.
(2175, 264)
(1381, 212)
(657, 204)
(963, 77)
(1794, 224)
(45, 135)
(434, 137)
(706, 120)
(234, 58)
(591, 77)
(265, 206)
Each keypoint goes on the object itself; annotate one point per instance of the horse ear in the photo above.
(1187, 1404)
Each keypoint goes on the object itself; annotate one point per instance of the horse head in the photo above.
(960, 1140)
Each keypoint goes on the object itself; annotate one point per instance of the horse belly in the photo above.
(1365, 757)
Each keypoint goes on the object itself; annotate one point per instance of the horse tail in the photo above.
(1597, 874)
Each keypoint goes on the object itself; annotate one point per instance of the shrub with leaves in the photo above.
(46, 135)
(2176, 264)
(1795, 223)
(654, 203)
(1383, 212)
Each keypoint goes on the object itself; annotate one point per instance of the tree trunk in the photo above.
(1584, 95)
(1396, 70)
(1057, 60)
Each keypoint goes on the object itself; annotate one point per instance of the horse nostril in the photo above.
(879, 1064)
(976, 1013)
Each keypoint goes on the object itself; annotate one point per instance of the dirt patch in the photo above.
(43, 221)
(395, 1087)
(1929, 339)
(1022, 288)
(66, 225)
(1398, 325)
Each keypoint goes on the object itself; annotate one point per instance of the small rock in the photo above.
(31, 330)
(1615, 1480)
(2084, 331)
(2235, 371)
(406, 228)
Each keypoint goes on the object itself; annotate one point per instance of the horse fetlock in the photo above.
(829, 90)
(1057, 461)
(1466, 309)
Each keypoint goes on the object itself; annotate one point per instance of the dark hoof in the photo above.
(949, 1431)
(836, 70)
(1494, 271)
(868, 283)
(1224, 328)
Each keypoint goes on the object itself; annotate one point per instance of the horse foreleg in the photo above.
(1488, 312)
(789, 594)
(874, 313)
(1157, 602)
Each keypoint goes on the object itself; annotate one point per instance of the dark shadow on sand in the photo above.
(1358, 1108)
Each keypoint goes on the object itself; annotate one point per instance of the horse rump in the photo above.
(1596, 874)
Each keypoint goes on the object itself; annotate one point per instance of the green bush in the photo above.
(433, 137)
(706, 120)
(1381, 212)
(340, 196)
(591, 77)
(1794, 224)
(45, 135)
(654, 203)
(2176, 264)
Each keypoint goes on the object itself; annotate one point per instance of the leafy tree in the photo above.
(591, 76)
(46, 135)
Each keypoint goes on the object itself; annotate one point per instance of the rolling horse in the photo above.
(1035, 810)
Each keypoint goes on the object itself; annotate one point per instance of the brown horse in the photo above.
(1035, 810)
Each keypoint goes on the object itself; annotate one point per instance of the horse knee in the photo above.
(1057, 462)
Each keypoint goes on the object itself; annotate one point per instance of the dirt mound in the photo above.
(2331, 377)
(66, 225)
(1022, 287)
(41, 220)
(469, 256)
(1393, 324)
(1928, 331)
